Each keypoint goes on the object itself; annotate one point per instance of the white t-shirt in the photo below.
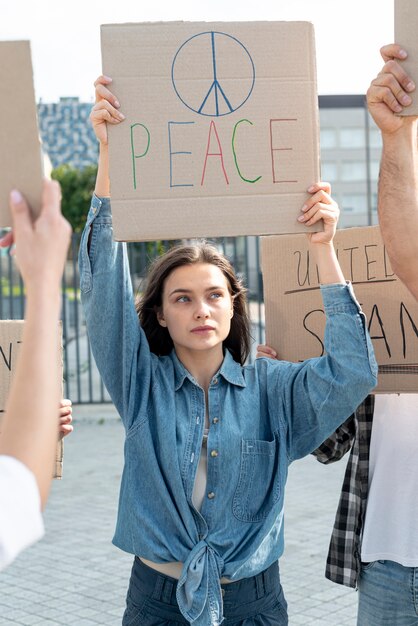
(391, 524)
(21, 521)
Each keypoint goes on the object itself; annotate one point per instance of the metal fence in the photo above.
(82, 381)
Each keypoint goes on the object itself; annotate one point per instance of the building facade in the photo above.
(350, 157)
(67, 136)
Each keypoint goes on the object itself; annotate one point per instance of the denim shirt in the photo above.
(262, 417)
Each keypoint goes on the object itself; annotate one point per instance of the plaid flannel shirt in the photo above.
(343, 560)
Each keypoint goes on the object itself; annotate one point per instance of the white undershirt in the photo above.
(391, 523)
(199, 487)
(21, 521)
(199, 492)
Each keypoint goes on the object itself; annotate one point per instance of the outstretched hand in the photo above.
(41, 245)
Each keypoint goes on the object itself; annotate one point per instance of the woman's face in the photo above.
(197, 308)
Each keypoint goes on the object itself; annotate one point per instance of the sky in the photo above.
(65, 35)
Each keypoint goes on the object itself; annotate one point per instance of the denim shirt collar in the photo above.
(230, 370)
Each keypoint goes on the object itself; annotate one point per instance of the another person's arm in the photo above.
(30, 434)
(398, 181)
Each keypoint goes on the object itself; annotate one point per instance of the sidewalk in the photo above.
(76, 576)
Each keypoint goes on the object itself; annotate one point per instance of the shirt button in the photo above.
(215, 381)
(215, 420)
(211, 495)
(214, 453)
(93, 210)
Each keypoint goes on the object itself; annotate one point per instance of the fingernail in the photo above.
(403, 53)
(16, 196)
(301, 218)
(397, 108)
(107, 78)
(406, 100)
(311, 189)
(121, 116)
(117, 104)
(410, 86)
(305, 206)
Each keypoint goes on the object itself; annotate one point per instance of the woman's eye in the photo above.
(215, 295)
(183, 299)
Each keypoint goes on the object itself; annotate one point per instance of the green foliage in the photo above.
(77, 188)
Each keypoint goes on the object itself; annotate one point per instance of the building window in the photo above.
(353, 171)
(328, 138)
(354, 203)
(329, 171)
(375, 138)
(352, 137)
(374, 170)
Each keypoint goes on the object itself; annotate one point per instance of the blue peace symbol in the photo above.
(215, 100)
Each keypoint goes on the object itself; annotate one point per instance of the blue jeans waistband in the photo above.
(163, 588)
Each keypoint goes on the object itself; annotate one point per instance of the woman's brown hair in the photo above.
(238, 341)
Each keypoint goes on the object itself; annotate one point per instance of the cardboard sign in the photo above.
(406, 24)
(221, 133)
(295, 318)
(21, 162)
(10, 339)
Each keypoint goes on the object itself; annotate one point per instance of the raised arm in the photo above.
(321, 206)
(398, 181)
(30, 435)
(340, 442)
(319, 394)
(118, 344)
(105, 111)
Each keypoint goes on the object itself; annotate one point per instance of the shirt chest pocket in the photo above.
(259, 481)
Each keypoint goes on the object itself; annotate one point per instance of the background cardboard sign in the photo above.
(221, 133)
(10, 340)
(20, 155)
(406, 25)
(295, 319)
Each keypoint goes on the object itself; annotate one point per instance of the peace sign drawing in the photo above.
(213, 73)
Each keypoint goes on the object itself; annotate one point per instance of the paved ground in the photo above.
(75, 575)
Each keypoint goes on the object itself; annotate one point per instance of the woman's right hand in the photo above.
(105, 110)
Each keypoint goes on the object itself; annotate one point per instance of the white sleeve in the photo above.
(21, 522)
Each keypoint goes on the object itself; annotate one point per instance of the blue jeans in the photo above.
(256, 601)
(388, 595)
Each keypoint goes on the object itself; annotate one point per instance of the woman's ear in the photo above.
(160, 317)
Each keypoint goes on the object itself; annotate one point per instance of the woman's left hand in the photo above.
(320, 206)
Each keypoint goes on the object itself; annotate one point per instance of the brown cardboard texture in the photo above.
(20, 157)
(295, 319)
(406, 25)
(221, 132)
(10, 339)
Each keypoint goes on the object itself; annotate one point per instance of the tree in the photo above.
(77, 188)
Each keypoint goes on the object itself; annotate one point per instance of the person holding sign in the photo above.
(208, 439)
(373, 545)
(388, 95)
(29, 434)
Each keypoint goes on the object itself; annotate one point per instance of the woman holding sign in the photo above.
(208, 439)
